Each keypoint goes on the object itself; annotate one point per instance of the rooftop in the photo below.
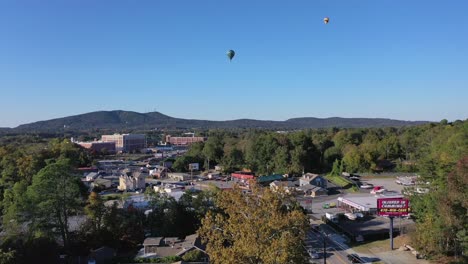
(274, 177)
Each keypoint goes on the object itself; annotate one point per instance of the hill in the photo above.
(119, 119)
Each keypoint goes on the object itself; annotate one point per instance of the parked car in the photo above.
(354, 258)
(328, 205)
(367, 186)
(313, 254)
(422, 190)
(350, 216)
(359, 215)
(378, 189)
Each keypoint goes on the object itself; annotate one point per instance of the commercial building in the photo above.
(179, 176)
(183, 141)
(130, 181)
(242, 176)
(126, 142)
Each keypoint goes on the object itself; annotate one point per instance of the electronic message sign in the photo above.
(393, 207)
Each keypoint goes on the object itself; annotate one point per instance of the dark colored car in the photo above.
(354, 258)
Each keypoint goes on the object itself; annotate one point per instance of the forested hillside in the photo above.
(128, 120)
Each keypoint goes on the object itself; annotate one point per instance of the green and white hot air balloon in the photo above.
(231, 54)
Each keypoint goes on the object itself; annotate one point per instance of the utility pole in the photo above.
(391, 232)
(324, 249)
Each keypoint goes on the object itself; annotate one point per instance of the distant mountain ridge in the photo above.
(119, 119)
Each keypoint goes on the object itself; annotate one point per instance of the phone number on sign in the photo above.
(401, 210)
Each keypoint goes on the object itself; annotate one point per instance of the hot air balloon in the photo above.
(325, 20)
(231, 54)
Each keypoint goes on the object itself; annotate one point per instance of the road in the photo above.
(335, 252)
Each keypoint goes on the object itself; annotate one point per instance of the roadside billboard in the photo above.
(395, 207)
(193, 166)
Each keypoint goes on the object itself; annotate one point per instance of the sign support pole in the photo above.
(324, 250)
(391, 232)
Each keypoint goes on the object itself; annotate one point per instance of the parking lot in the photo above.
(388, 183)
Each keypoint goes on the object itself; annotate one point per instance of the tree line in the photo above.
(361, 150)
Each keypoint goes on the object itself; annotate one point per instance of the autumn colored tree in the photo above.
(260, 227)
(95, 210)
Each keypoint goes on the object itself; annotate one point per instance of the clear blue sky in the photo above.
(395, 59)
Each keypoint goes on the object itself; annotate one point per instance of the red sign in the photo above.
(393, 207)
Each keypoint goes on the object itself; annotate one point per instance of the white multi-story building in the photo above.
(130, 181)
(126, 142)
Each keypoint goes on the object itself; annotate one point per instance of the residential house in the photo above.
(288, 186)
(159, 172)
(91, 176)
(313, 179)
(102, 183)
(161, 247)
(312, 190)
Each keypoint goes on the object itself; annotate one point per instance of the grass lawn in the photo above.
(340, 181)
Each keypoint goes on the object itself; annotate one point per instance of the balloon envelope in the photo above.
(326, 20)
(231, 54)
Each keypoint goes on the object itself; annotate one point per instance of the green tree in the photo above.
(192, 256)
(281, 160)
(15, 212)
(213, 151)
(7, 257)
(233, 160)
(54, 196)
(352, 159)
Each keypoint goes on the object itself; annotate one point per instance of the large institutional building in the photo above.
(126, 142)
(183, 141)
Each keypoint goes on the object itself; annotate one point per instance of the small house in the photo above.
(312, 190)
(313, 179)
(161, 247)
(288, 186)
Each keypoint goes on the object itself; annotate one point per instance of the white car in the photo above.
(367, 186)
(313, 254)
(351, 216)
(422, 190)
